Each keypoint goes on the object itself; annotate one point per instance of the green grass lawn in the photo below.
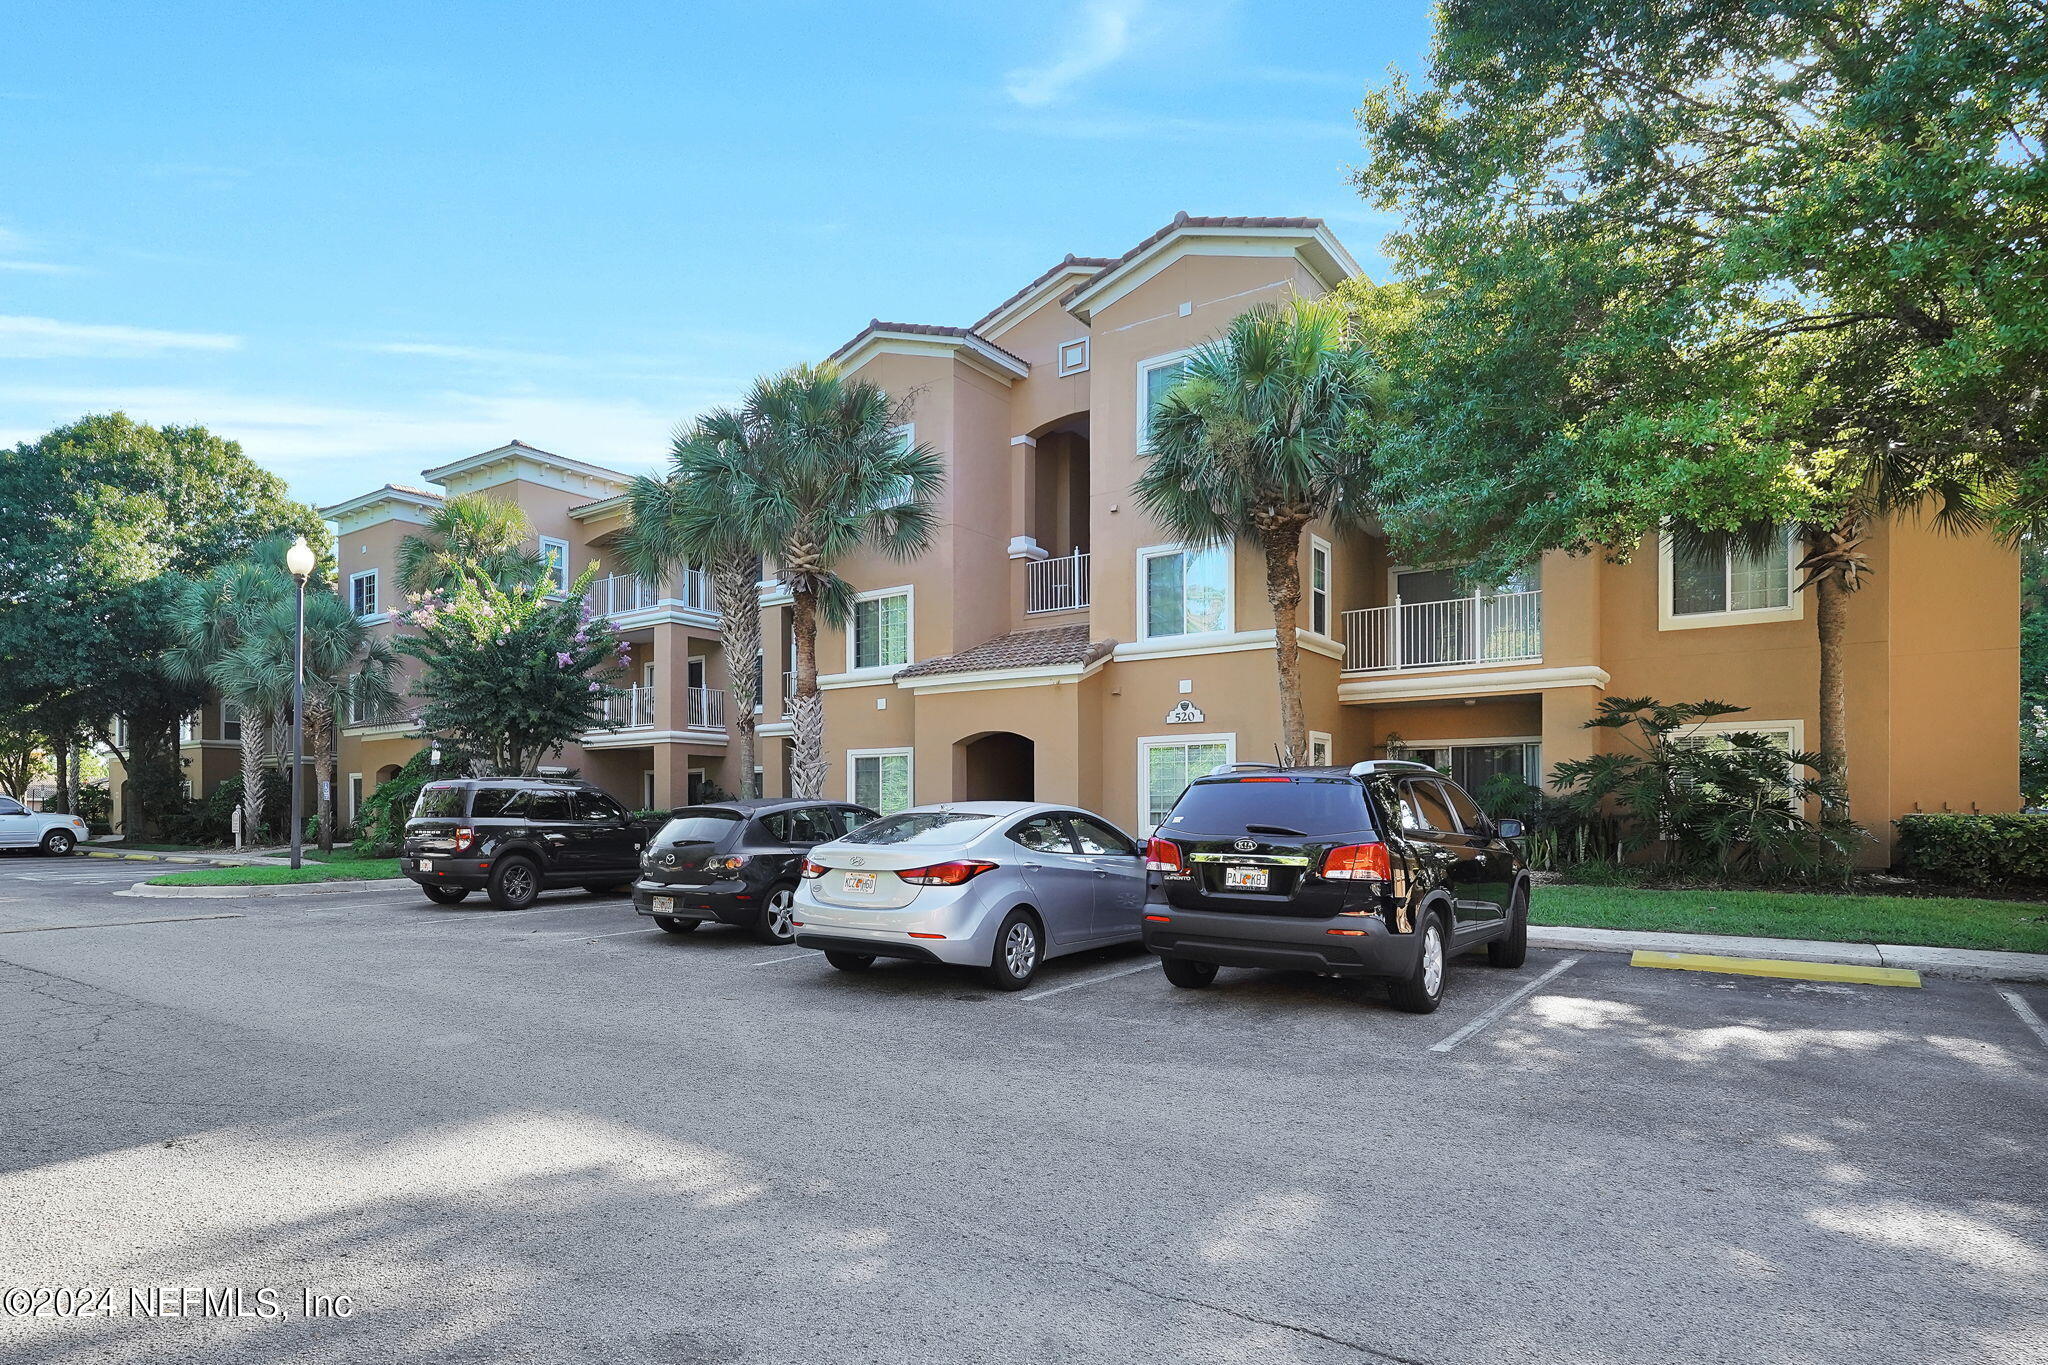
(343, 866)
(1945, 922)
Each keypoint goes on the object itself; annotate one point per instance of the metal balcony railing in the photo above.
(632, 709)
(706, 708)
(788, 689)
(1504, 628)
(1059, 584)
(624, 592)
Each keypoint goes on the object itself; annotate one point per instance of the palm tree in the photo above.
(658, 542)
(1254, 442)
(471, 533)
(346, 667)
(810, 468)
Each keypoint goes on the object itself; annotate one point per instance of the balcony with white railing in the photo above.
(788, 689)
(623, 592)
(706, 707)
(631, 709)
(1057, 584)
(1501, 629)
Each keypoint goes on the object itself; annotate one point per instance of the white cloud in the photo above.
(1116, 125)
(25, 338)
(471, 355)
(1102, 37)
(38, 268)
(14, 244)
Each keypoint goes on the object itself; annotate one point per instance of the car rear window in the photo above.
(496, 802)
(698, 827)
(1313, 805)
(442, 798)
(918, 827)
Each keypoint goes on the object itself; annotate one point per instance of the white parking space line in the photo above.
(2026, 1014)
(621, 933)
(112, 924)
(1504, 1006)
(807, 954)
(1092, 980)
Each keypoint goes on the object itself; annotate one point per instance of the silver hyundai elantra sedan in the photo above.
(999, 885)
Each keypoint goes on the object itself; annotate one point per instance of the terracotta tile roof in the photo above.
(416, 492)
(1019, 649)
(1058, 267)
(1182, 220)
(928, 329)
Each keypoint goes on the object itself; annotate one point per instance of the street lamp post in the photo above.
(299, 560)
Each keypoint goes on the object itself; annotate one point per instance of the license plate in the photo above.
(664, 904)
(1245, 878)
(426, 864)
(860, 883)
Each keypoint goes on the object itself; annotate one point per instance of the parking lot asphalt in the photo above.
(561, 1135)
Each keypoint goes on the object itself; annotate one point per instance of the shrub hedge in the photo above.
(1974, 850)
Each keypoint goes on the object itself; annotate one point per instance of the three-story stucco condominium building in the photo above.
(1055, 644)
(673, 731)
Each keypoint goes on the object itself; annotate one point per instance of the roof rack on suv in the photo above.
(1389, 765)
(1221, 768)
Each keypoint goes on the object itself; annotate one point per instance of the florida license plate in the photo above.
(426, 864)
(664, 905)
(860, 883)
(1245, 878)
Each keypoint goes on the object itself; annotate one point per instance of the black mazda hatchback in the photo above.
(736, 862)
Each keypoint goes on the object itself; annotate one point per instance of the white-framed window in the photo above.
(1183, 591)
(554, 553)
(362, 593)
(1472, 763)
(1167, 763)
(1730, 586)
(879, 779)
(1073, 356)
(355, 795)
(230, 720)
(1319, 585)
(900, 491)
(647, 789)
(878, 636)
(189, 728)
(1319, 749)
(1788, 735)
(1155, 377)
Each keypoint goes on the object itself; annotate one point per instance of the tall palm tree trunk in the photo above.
(1283, 590)
(807, 712)
(254, 747)
(323, 772)
(1831, 610)
(733, 580)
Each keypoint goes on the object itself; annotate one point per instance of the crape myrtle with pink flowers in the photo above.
(513, 670)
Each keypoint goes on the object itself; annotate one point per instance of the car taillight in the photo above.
(1163, 855)
(811, 869)
(1358, 862)
(464, 837)
(945, 874)
(730, 863)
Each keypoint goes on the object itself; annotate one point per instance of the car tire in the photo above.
(515, 883)
(58, 843)
(446, 895)
(1512, 948)
(1187, 973)
(850, 962)
(775, 924)
(669, 924)
(1422, 990)
(1020, 948)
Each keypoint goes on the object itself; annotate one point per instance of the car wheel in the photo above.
(778, 916)
(850, 962)
(58, 843)
(515, 883)
(669, 924)
(446, 895)
(1512, 949)
(1019, 946)
(1187, 973)
(1422, 990)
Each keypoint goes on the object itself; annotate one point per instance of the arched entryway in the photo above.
(996, 766)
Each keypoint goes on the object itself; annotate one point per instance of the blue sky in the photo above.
(364, 239)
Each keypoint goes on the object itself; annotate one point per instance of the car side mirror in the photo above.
(1508, 829)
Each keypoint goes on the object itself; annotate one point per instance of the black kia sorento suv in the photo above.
(1384, 869)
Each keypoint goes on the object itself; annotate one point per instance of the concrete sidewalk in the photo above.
(223, 858)
(1966, 963)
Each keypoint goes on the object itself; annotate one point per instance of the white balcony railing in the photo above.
(624, 592)
(632, 709)
(706, 708)
(788, 689)
(1059, 584)
(1504, 628)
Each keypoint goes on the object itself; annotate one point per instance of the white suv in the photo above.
(21, 827)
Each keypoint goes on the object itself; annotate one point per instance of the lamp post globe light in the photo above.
(299, 562)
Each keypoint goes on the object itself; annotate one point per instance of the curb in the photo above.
(1966, 964)
(145, 891)
(200, 860)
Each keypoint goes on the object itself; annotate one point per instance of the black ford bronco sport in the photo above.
(1384, 869)
(516, 836)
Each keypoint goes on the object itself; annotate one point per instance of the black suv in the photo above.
(737, 861)
(515, 836)
(1383, 869)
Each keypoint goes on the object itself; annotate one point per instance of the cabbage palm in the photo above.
(470, 533)
(1259, 438)
(809, 469)
(660, 541)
